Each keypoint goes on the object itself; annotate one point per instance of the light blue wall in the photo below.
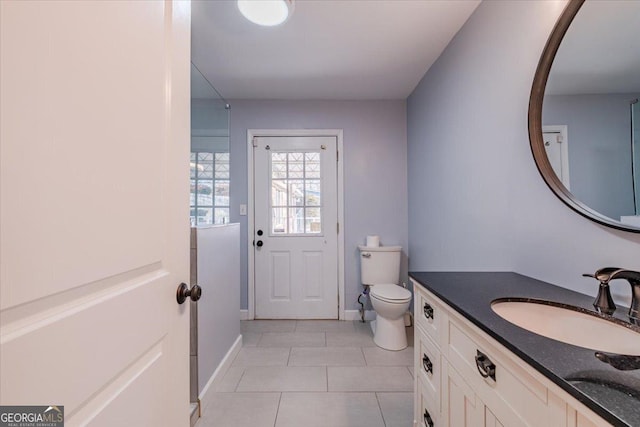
(375, 169)
(218, 329)
(476, 199)
(599, 135)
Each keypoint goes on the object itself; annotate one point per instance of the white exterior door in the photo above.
(94, 224)
(296, 220)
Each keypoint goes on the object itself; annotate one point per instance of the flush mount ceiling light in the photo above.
(266, 12)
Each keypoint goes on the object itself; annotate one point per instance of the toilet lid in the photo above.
(390, 293)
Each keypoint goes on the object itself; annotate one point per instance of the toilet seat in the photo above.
(390, 293)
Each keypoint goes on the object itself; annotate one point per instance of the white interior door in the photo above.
(94, 225)
(296, 220)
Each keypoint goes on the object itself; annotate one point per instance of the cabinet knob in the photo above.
(428, 311)
(426, 363)
(485, 366)
(428, 421)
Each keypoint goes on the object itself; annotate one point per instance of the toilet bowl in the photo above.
(379, 270)
(390, 303)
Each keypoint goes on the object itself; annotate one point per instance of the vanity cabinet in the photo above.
(463, 377)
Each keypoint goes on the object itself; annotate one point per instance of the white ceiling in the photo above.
(328, 49)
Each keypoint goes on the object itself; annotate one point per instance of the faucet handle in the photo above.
(604, 303)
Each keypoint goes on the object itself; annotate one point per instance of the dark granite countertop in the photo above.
(611, 393)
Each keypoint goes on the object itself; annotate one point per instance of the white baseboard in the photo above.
(348, 315)
(222, 368)
(355, 315)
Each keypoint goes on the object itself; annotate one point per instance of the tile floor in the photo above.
(312, 373)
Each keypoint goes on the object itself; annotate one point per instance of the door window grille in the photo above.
(296, 196)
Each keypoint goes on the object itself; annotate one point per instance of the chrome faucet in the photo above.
(604, 302)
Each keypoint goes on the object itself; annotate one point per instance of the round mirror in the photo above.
(584, 115)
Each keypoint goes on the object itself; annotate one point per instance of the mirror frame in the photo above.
(535, 122)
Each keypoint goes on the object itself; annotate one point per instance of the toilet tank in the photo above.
(380, 265)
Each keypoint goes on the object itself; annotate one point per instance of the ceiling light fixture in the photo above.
(266, 12)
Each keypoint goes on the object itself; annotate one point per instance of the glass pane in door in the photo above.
(296, 188)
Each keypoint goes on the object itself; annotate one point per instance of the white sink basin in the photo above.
(570, 326)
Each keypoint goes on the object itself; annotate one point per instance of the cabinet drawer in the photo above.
(428, 314)
(428, 365)
(515, 397)
(427, 413)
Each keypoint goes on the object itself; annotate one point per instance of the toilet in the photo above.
(380, 271)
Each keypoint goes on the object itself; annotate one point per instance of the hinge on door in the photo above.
(254, 141)
(338, 227)
(337, 155)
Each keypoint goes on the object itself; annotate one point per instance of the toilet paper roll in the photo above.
(373, 241)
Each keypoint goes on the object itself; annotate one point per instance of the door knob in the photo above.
(184, 292)
(259, 243)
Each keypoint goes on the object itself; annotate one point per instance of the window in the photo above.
(209, 188)
(295, 193)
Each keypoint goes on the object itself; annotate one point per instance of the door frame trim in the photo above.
(252, 133)
(563, 131)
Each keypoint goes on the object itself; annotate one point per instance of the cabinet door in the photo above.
(427, 413)
(427, 358)
(461, 406)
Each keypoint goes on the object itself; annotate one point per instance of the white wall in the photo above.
(476, 199)
(375, 180)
